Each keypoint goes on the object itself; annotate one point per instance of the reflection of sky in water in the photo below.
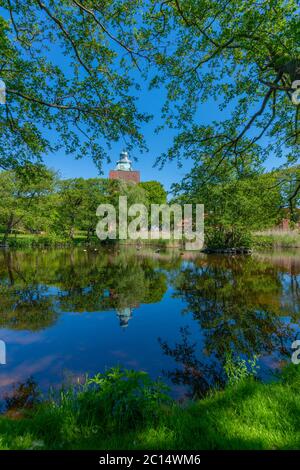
(290, 291)
(89, 341)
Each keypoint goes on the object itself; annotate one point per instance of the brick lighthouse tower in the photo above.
(124, 171)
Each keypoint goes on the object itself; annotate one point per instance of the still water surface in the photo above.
(65, 313)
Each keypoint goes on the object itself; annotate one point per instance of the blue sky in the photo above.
(148, 102)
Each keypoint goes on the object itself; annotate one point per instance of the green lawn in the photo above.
(248, 415)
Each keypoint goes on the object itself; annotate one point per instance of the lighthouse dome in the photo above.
(124, 164)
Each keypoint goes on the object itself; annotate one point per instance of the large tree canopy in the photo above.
(243, 54)
(67, 67)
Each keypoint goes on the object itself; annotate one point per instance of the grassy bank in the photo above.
(42, 241)
(128, 411)
(277, 239)
(269, 239)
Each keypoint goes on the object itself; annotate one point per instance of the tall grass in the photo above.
(277, 239)
(47, 240)
(53, 240)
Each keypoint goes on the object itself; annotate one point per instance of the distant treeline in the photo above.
(34, 200)
(240, 200)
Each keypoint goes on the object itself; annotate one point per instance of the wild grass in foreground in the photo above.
(127, 410)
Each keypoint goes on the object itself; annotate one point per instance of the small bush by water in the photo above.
(223, 237)
(127, 410)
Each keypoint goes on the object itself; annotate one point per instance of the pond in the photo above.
(70, 312)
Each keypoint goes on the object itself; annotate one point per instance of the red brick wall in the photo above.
(125, 175)
(284, 224)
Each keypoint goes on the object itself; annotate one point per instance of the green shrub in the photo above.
(124, 397)
(222, 237)
(238, 370)
(110, 402)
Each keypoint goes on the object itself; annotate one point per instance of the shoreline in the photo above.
(272, 240)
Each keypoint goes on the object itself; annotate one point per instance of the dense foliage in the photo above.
(238, 201)
(34, 200)
(75, 68)
(73, 71)
(240, 57)
(67, 66)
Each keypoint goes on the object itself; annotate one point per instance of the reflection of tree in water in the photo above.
(194, 373)
(36, 286)
(238, 303)
(118, 282)
(289, 264)
(29, 308)
(24, 302)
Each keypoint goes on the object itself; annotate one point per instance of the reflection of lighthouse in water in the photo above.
(124, 316)
(2, 352)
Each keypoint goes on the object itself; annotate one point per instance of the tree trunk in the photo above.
(72, 233)
(9, 226)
